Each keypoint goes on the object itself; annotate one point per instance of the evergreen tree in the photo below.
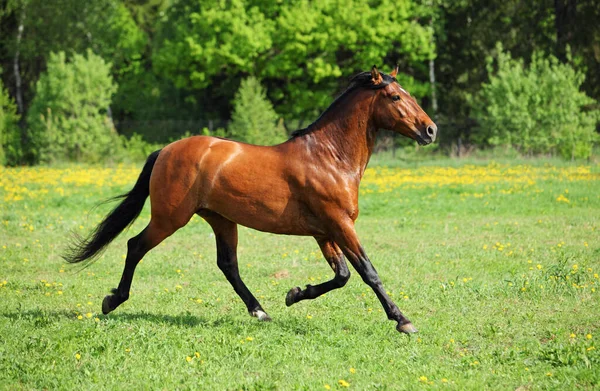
(68, 116)
(254, 119)
(10, 142)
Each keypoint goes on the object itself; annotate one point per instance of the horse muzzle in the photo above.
(427, 135)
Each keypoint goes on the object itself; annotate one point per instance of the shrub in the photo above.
(536, 109)
(68, 117)
(10, 136)
(254, 120)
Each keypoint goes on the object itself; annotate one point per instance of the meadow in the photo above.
(495, 263)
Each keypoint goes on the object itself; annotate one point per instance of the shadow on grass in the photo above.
(37, 317)
(183, 320)
(41, 318)
(45, 318)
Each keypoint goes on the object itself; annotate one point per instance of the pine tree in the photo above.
(254, 120)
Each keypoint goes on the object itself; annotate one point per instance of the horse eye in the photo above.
(396, 97)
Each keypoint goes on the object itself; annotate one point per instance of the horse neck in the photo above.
(345, 135)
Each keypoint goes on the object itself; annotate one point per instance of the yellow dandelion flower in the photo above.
(77, 356)
(352, 370)
(197, 354)
(249, 339)
(589, 336)
(88, 315)
(308, 316)
(188, 359)
(79, 317)
(572, 335)
(327, 387)
(423, 379)
(343, 383)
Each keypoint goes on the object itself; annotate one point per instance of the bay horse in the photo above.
(306, 186)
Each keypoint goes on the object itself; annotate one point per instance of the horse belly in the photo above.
(261, 200)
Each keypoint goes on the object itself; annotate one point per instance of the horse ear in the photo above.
(394, 72)
(375, 75)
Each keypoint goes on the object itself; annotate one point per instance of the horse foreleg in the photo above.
(227, 240)
(345, 235)
(335, 258)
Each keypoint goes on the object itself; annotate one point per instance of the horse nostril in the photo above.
(431, 130)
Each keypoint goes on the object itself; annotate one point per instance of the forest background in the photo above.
(114, 79)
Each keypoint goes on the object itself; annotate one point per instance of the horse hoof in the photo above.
(261, 315)
(106, 306)
(290, 298)
(407, 328)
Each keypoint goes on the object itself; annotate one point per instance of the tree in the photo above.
(253, 119)
(537, 108)
(302, 51)
(10, 141)
(68, 116)
(31, 29)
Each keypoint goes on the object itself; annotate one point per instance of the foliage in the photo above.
(136, 149)
(537, 109)
(68, 117)
(10, 136)
(253, 120)
(302, 51)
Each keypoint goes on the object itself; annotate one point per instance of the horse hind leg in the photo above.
(227, 239)
(137, 247)
(335, 258)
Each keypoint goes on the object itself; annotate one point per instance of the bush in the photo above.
(68, 117)
(254, 120)
(536, 109)
(10, 136)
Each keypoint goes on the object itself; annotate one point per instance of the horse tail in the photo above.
(121, 217)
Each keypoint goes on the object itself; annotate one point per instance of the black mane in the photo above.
(362, 80)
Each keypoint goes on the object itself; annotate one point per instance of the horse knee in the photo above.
(342, 276)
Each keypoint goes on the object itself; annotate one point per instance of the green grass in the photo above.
(464, 269)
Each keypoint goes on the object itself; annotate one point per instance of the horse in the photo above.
(305, 186)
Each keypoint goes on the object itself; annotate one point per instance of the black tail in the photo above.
(120, 218)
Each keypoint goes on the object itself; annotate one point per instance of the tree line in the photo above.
(79, 77)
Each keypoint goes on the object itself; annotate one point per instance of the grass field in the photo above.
(496, 265)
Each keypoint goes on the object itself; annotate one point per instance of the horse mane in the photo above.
(361, 80)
